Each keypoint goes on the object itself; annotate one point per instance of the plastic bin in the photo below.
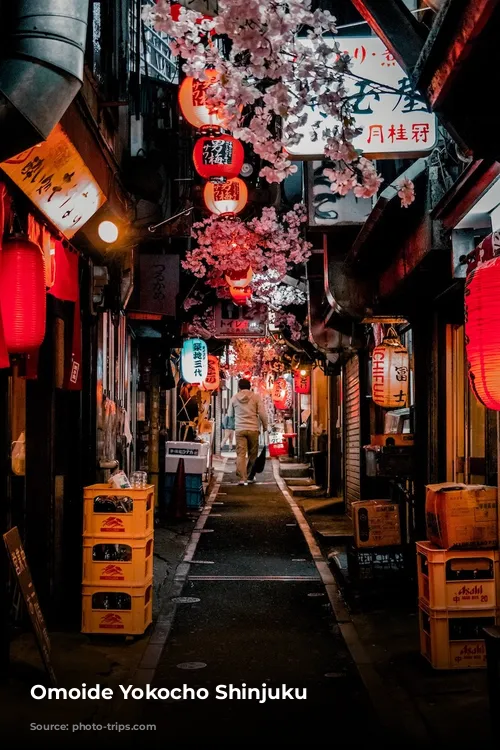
(458, 579)
(195, 495)
(104, 563)
(132, 620)
(454, 639)
(115, 512)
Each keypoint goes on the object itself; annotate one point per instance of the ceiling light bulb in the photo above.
(303, 373)
(108, 232)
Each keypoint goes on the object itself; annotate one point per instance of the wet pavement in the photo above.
(258, 617)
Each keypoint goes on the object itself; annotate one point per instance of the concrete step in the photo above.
(320, 506)
(299, 481)
(287, 460)
(333, 528)
(295, 470)
(313, 491)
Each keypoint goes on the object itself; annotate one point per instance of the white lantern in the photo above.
(194, 361)
(390, 373)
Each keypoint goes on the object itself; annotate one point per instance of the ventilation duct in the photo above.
(43, 69)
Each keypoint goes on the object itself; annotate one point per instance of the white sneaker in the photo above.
(251, 481)
(243, 483)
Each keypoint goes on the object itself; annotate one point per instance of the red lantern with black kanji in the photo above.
(22, 294)
(482, 332)
(301, 381)
(212, 381)
(218, 157)
(192, 102)
(281, 394)
(224, 198)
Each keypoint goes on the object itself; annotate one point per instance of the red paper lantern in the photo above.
(240, 295)
(22, 294)
(482, 332)
(282, 394)
(390, 372)
(192, 98)
(218, 157)
(301, 381)
(212, 381)
(175, 13)
(226, 197)
(239, 279)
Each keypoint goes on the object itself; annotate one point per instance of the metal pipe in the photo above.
(43, 70)
(154, 227)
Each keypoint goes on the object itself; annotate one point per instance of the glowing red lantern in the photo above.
(482, 332)
(226, 197)
(240, 295)
(22, 294)
(301, 381)
(175, 14)
(218, 157)
(239, 279)
(212, 381)
(282, 395)
(192, 101)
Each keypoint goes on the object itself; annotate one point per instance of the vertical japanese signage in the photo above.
(55, 178)
(390, 371)
(19, 564)
(194, 361)
(395, 118)
(158, 284)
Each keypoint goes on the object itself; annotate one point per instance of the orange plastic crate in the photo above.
(452, 639)
(458, 579)
(137, 570)
(132, 618)
(105, 511)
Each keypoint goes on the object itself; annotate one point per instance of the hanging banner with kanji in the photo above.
(396, 120)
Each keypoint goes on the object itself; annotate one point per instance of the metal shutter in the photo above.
(352, 433)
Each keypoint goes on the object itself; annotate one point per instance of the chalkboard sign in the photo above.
(19, 564)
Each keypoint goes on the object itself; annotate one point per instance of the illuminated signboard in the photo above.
(395, 119)
(55, 178)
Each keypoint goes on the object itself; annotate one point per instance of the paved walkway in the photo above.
(257, 614)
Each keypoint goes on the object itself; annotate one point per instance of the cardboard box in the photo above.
(461, 516)
(393, 438)
(376, 523)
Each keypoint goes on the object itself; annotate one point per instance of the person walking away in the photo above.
(248, 411)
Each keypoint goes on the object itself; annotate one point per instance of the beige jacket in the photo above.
(247, 409)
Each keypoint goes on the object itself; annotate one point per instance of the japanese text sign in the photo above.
(396, 120)
(21, 570)
(194, 361)
(55, 178)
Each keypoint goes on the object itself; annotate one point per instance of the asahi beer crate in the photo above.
(109, 511)
(376, 523)
(458, 579)
(454, 640)
(117, 610)
(124, 561)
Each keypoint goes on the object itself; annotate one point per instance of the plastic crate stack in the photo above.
(458, 575)
(118, 541)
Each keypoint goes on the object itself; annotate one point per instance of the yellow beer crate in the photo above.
(117, 610)
(117, 560)
(109, 511)
(458, 579)
(454, 639)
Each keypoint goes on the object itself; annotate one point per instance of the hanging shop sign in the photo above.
(331, 209)
(194, 361)
(55, 178)
(390, 373)
(301, 381)
(212, 381)
(223, 198)
(396, 120)
(158, 284)
(233, 321)
(282, 394)
(218, 157)
(482, 332)
(22, 295)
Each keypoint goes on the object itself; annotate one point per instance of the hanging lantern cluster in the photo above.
(22, 295)
(301, 381)
(194, 361)
(482, 332)
(282, 394)
(390, 372)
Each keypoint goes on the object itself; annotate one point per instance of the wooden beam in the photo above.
(398, 28)
(451, 40)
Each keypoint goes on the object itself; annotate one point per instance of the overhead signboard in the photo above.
(328, 209)
(158, 284)
(57, 181)
(234, 321)
(396, 121)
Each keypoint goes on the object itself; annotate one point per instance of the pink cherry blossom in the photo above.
(406, 192)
